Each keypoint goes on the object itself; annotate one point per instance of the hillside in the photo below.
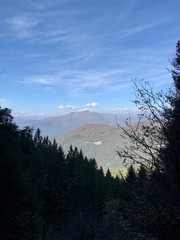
(97, 141)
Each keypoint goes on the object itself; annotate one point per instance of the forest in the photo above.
(46, 194)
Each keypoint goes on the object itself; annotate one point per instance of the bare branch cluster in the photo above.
(147, 137)
(154, 141)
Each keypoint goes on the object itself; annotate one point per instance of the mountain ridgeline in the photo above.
(56, 126)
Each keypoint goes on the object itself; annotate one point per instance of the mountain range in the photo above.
(58, 125)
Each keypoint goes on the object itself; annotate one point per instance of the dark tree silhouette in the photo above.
(155, 145)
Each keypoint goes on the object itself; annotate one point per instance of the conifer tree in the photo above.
(171, 151)
(131, 175)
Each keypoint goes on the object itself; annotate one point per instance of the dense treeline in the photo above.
(46, 194)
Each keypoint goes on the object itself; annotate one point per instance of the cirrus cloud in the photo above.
(22, 26)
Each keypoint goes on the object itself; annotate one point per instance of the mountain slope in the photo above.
(97, 141)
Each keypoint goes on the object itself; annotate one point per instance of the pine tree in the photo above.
(131, 175)
(171, 152)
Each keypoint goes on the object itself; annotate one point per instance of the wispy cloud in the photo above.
(44, 4)
(43, 80)
(22, 26)
(63, 25)
(75, 82)
(137, 29)
(36, 55)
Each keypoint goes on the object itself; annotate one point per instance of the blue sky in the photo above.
(59, 56)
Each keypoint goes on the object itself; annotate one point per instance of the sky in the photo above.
(59, 56)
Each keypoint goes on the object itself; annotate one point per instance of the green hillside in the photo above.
(97, 141)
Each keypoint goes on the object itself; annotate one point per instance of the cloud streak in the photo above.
(134, 63)
(76, 82)
(22, 26)
(56, 24)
